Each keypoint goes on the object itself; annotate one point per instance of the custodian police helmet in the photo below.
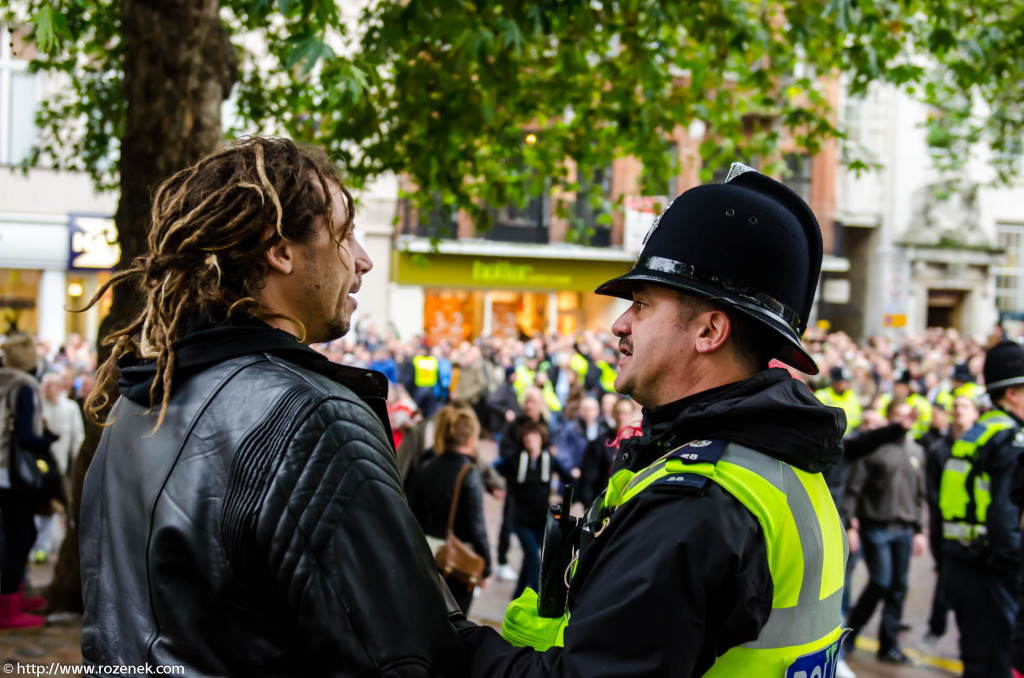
(1004, 366)
(751, 244)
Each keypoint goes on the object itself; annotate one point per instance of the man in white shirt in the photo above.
(64, 419)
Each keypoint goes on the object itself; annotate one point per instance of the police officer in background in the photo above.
(838, 394)
(980, 525)
(715, 549)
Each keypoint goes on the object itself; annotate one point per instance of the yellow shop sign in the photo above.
(461, 270)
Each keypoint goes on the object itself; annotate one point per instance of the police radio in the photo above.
(561, 539)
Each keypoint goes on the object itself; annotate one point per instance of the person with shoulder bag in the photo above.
(24, 436)
(446, 496)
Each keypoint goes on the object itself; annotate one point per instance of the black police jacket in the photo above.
(261, 530)
(678, 576)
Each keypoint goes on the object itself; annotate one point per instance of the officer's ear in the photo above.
(713, 329)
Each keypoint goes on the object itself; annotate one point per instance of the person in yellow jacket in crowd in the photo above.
(716, 549)
(839, 394)
(961, 384)
(901, 390)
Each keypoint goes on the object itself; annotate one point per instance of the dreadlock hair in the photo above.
(211, 225)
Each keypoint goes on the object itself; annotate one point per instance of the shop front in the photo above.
(511, 291)
(50, 265)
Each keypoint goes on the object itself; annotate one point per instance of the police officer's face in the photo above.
(653, 342)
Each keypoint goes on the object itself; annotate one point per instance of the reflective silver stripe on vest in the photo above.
(811, 618)
(958, 465)
(982, 485)
(954, 530)
(767, 467)
(805, 623)
(809, 529)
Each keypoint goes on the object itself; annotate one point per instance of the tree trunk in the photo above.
(179, 67)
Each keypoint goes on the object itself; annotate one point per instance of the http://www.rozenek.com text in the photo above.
(55, 669)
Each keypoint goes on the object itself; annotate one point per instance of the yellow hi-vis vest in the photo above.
(919, 403)
(968, 389)
(524, 380)
(807, 551)
(608, 374)
(424, 371)
(964, 495)
(847, 403)
(580, 365)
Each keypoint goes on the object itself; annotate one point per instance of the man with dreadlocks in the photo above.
(243, 515)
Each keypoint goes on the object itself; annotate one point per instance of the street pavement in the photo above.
(59, 641)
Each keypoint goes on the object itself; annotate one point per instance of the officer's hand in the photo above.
(510, 415)
(920, 544)
(853, 537)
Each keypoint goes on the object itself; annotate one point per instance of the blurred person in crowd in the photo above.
(503, 405)
(902, 390)
(964, 415)
(404, 416)
(385, 364)
(528, 475)
(533, 409)
(886, 492)
(961, 383)
(239, 467)
(431, 488)
(426, 381)
(64, 419)
(577, 393)
(472, 378)
(599, 454)
(84, 384)
(608, 402)
(838, 394)
(23, 423)
(576, 434)
(981, 524)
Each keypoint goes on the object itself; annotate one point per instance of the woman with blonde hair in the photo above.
(431, 488)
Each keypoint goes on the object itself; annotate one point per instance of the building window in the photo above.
(1009, 274)
(19, 100)
(586, 213)
(521, 222)
(799, 171)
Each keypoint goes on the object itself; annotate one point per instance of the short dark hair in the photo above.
(753, 344)
(531, 426)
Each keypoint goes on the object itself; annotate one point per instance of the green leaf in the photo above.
(47, 31)
(308, 51)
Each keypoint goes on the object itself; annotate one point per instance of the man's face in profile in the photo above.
(331, 266)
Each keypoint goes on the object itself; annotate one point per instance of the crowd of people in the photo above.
(548, 404)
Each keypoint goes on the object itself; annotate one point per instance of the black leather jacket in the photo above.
(262, 530)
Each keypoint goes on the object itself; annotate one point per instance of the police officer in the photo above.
(961, 384)
(980, 525)
(838, 394)
(901, 389)
(715, 549)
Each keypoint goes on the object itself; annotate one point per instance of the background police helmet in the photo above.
(962, 373)
(839, 373)
(1004, 366)
(751, 244)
